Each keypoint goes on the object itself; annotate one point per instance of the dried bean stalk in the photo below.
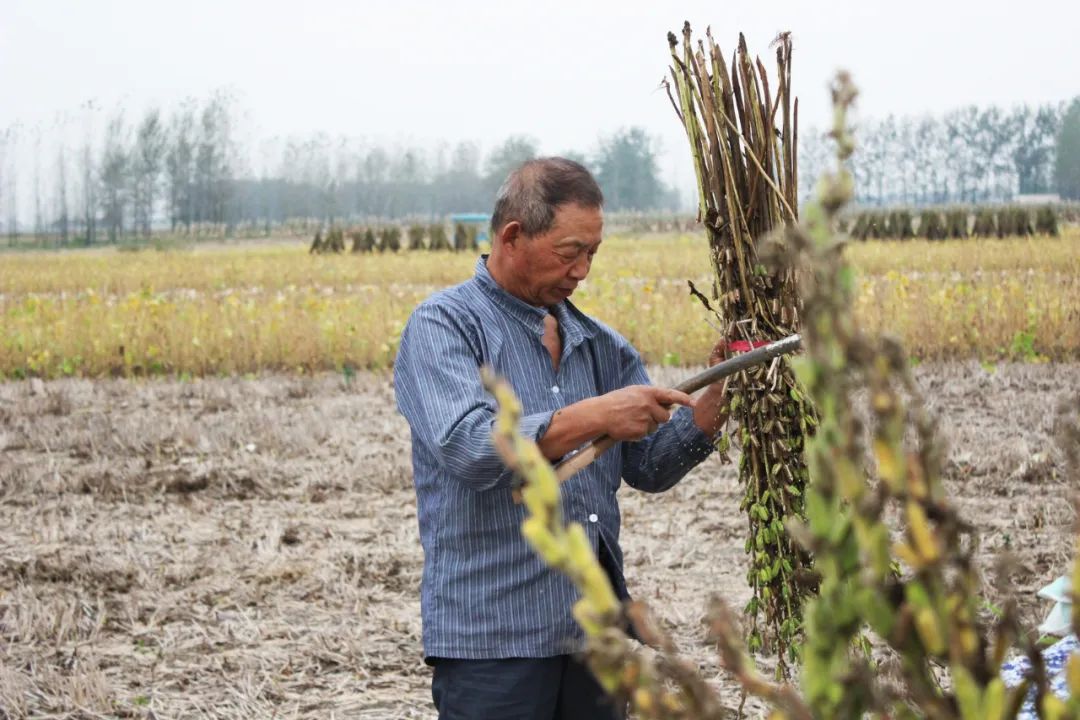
(744, 145)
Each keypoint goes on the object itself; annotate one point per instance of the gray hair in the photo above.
(535, 189)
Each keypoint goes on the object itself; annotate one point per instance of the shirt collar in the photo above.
(529, 315)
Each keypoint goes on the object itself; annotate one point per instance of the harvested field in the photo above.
(248, 548)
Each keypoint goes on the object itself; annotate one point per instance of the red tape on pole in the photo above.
(745, 345)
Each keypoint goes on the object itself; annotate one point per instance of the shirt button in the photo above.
(555, 389)
(593, 518)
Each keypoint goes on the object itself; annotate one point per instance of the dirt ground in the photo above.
(248, 548)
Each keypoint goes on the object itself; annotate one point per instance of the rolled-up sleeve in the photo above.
(658, 461)
(439, 391)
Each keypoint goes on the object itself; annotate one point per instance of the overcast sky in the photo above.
(422, 71)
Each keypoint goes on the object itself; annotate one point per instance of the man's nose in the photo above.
(580, 269)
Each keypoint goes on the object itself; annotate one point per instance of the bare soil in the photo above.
(249, 548)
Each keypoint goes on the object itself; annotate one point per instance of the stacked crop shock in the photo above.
(416, 237)
(389, 238)
(931, 225)
(335, 240)
(743, 139)
(461, 237)
(1046, 221)
(956, 224)
(985, 225)
(875, 226)
(359, 245)
(439, 241)
(857, 227)
(901, 226)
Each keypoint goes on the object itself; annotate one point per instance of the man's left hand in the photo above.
(711, 410)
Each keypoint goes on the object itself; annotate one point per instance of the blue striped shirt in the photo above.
(485, 594)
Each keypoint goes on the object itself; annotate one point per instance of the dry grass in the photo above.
(279, 265)
(234, 548)
(239, 310)
(1059, 255)
(222, 549)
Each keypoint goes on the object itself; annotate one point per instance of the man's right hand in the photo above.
(630, 413)
(633, 412)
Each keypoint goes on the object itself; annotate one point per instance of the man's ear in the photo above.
(510, 235)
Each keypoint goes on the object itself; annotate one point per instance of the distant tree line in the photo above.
(175, 172)
(328, 182)
(188, 171)
(968, 155)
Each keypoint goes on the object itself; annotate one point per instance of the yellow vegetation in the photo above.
(246, 309)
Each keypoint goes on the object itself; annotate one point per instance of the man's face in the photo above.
(550, 265)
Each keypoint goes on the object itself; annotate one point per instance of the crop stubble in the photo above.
(231, 548)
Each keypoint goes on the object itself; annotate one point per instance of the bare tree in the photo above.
(992, 136)
(373, 175)
(114, 176)
(1035, 133)
(269, 201)
(315, 173)
(89, 190)
(178, 167)
(870, 165)
(407, 177)
(12, 144)
(148, 158)
(3, 155)
(814, 153)
(213, 158)
(924, 146)
(515, 150)
(343, 160)
(39, 216)
(904, 156)
(62, 219)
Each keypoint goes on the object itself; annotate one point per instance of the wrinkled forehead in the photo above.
(573, 221)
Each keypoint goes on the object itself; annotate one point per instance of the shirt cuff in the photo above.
(532, 427)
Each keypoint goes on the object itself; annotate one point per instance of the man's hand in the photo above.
(633, 412)
(719, 353)
(627, 414)
(712, 409)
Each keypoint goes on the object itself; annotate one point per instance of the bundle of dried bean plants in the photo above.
(743, 140)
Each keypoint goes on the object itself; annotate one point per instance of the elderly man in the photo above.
(496, 621)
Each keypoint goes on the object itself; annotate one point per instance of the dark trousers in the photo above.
(555, 688)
